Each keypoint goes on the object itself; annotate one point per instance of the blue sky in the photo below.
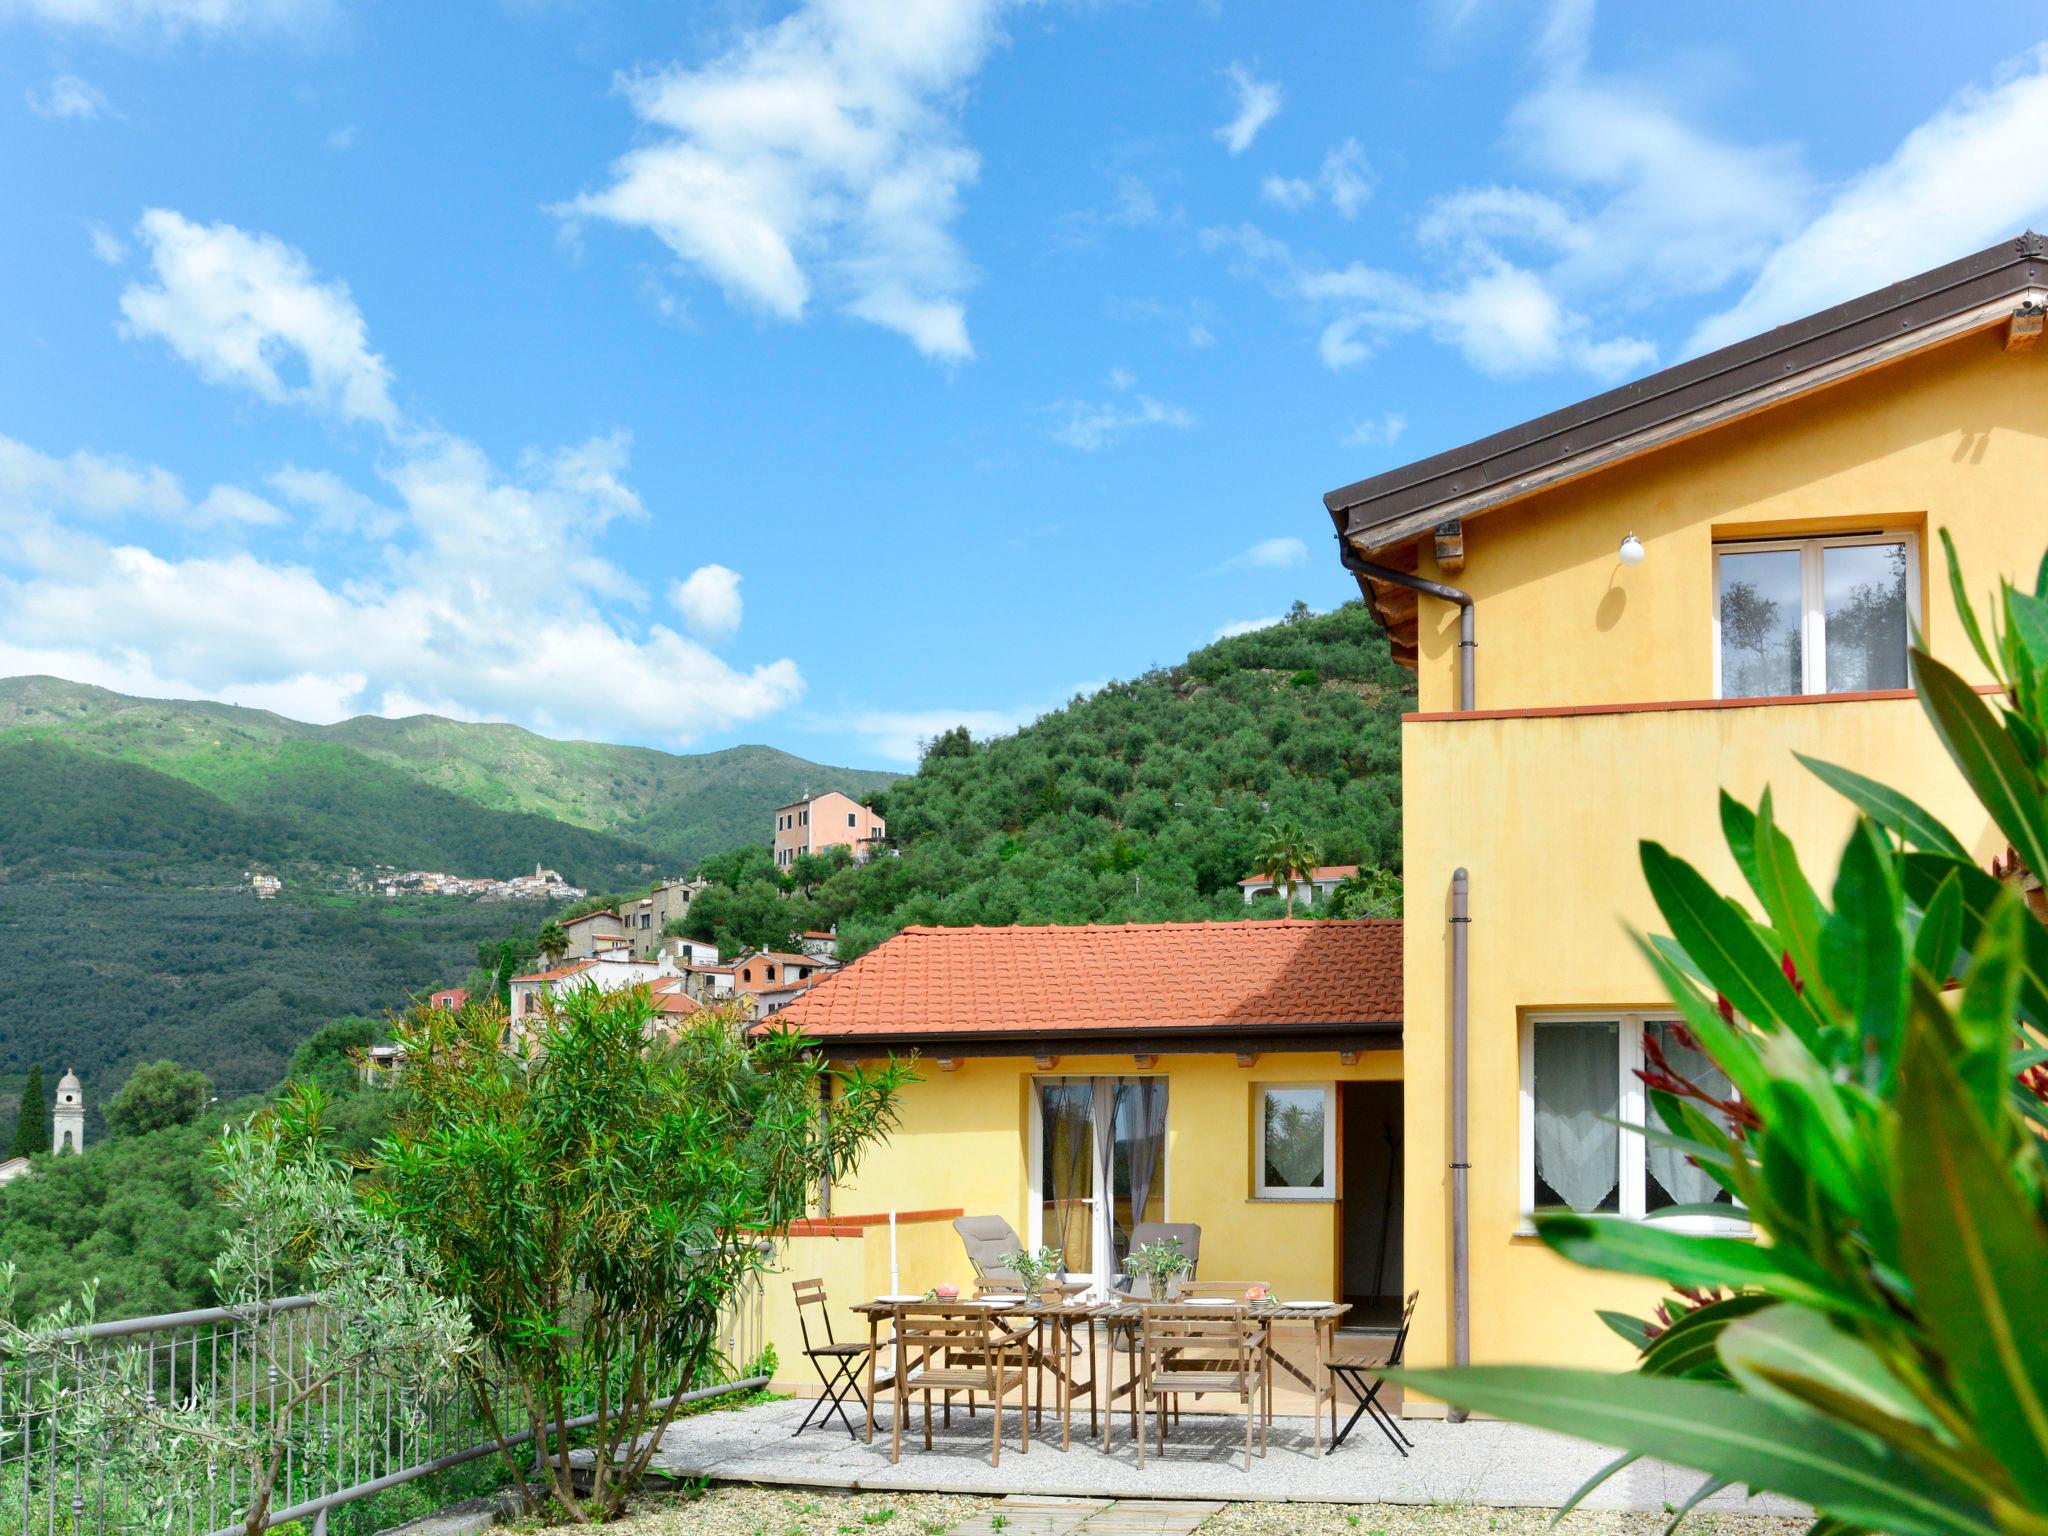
(828, 374)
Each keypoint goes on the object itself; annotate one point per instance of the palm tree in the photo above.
(553, 942)
(1286, 856)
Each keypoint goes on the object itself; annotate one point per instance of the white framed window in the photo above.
(1297, 1141)
(1581, 1103)
(1820, 615)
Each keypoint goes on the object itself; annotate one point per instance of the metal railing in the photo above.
(351, 1439)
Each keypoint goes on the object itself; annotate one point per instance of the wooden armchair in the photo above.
(945, 1347)
(1198, 1350)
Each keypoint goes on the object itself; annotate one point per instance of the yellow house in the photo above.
(1615, 611)
(1075, 1081)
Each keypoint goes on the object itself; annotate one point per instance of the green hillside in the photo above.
(675, 807)
(1143, 802)
(299, 803)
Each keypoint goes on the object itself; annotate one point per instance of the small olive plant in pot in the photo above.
(1159, 1265)
(1034, 1269)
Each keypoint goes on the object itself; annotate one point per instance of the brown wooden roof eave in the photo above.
(1394, 507)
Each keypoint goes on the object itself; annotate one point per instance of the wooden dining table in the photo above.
(1063, 1319)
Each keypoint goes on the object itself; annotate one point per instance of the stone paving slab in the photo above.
(1478, 1462)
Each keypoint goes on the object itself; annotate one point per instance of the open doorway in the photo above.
(1369, 1265)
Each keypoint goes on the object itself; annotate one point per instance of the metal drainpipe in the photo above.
(1461, 1167)
(1468, 626)
(1461, 922)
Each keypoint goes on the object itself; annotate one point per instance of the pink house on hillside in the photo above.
(830, 820)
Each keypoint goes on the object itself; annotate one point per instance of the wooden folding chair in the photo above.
(839, 1366)
(1198, 1350)
(948, 1348)
(1364, 1379)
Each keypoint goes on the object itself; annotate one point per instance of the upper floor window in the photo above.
(1822, 615)
(850, 818)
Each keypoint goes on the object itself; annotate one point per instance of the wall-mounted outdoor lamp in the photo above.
(1631, 550)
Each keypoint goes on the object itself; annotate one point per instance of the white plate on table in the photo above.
(1205, 1301)
(900, 1298)
(1305, 1306)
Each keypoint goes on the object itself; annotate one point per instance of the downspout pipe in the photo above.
(1468, 626)
(1461, 1165)
(1461, 924)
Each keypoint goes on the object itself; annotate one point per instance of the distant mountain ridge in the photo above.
(666, 808)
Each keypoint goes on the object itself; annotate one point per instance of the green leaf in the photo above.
(1697, 1497)
(1722, 1432)
(1690, 1346)
(1782, 887)
(1887, 807)
(1976, 1252)
(1635, 1330)
(1733, 1049)
(1689, 1259)
(1922, 873)
(1941, 930)
(2026, 622)
(1984, 1018)
(1863, 946)
(1579, 1493)
(1987, 757)
(1793, 1342)
(1718, 936)
(1965, 610)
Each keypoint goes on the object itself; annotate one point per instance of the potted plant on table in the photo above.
(1160, 1264)
(1034, 1269)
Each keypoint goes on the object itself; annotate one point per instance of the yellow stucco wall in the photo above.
(1545, 812)
(962, 1143)
(1957, 436)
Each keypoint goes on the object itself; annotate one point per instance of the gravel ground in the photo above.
(737, 1511)
(740, 1511)
(1460, 1519)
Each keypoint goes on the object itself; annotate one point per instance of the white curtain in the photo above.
(1686, 1184)
(1578, 1096)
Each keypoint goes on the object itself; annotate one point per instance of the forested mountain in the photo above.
(676, 807)
(1142, 802)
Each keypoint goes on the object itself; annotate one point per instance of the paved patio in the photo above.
(1478, 1462)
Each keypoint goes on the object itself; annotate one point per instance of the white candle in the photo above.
(895, 1280)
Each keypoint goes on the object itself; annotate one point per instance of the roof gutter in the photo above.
(1468, 626)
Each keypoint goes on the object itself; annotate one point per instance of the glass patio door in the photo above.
(1101, 1168)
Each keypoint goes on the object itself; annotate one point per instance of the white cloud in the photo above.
(1504, 318)
(337, 506)
(1345, 178)
(232, 504)
(709, 600)
(1275, 554)
(899, 735)
(1090, 425)
(479, 590)
(1289, 192)
(1616, 173)
(823, 152)
(1957, 183)
(246, 309)
(1258, 103)
(1380, 432)
(107, 246)
(90, 484)
(170, 18)
(1242, 627)
(69, 96)
(344, 137)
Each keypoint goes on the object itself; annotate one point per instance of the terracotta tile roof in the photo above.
(670, 997)
(1320, 872)
(1134, 976)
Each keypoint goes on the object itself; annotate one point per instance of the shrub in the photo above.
(596, 1194)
